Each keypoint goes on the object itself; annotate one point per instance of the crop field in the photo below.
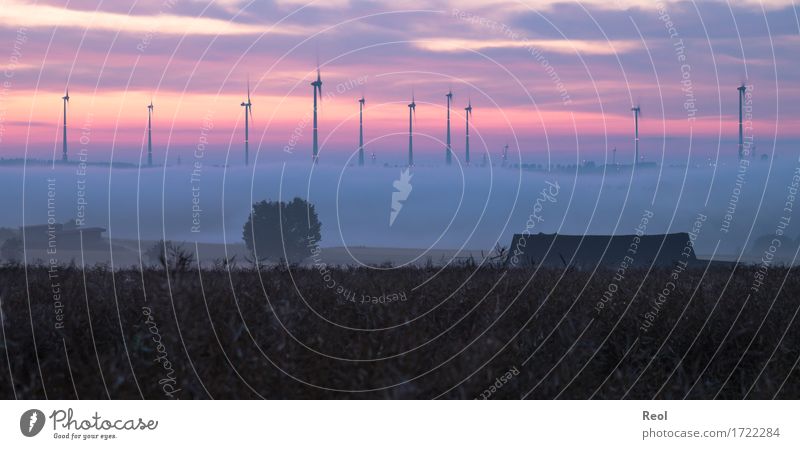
(462, 331)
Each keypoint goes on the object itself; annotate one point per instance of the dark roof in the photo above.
(587, 252)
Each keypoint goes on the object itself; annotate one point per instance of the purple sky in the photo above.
(557, 77)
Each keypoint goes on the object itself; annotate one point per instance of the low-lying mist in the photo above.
(447, 207)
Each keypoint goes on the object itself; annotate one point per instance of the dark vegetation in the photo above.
(226, 333)
(279, 231)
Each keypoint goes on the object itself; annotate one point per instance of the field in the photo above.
(417, 332)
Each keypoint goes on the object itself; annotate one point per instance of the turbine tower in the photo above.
(741, 90)
(449, 150)
(66, 100)
(317, 87)
(505, 154)
(468, 110)
(412, 111)
(636, 111)
(361, 131)
(248, 115)
(150, 134)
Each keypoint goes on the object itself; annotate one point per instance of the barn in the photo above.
(62, 236)
(586, 252)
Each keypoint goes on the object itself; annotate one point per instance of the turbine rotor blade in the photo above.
(319, 82)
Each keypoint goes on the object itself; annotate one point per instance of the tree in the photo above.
(295, 221)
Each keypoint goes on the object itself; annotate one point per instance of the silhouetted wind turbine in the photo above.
(361, 131)
(150, 134)
(317, 87)
(468, 110)
(412, 111)
(636, 111)
(66, 100)
(448, 151)
(248, 115)
(741, 90)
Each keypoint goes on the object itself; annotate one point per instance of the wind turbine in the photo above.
(248, 115)
(412, 111)
(741, 90)
(150, 134)
(468, 110)
(317, 87)
(361, 131)
(636, 111)
(66, 100)
(505, 154)
(448, 151)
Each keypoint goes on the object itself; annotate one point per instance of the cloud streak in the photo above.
(588, 47)
(16, 14)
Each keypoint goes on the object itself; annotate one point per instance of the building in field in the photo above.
(586, 252)
(63, 236)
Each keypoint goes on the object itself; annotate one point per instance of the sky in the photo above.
(552, 79)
